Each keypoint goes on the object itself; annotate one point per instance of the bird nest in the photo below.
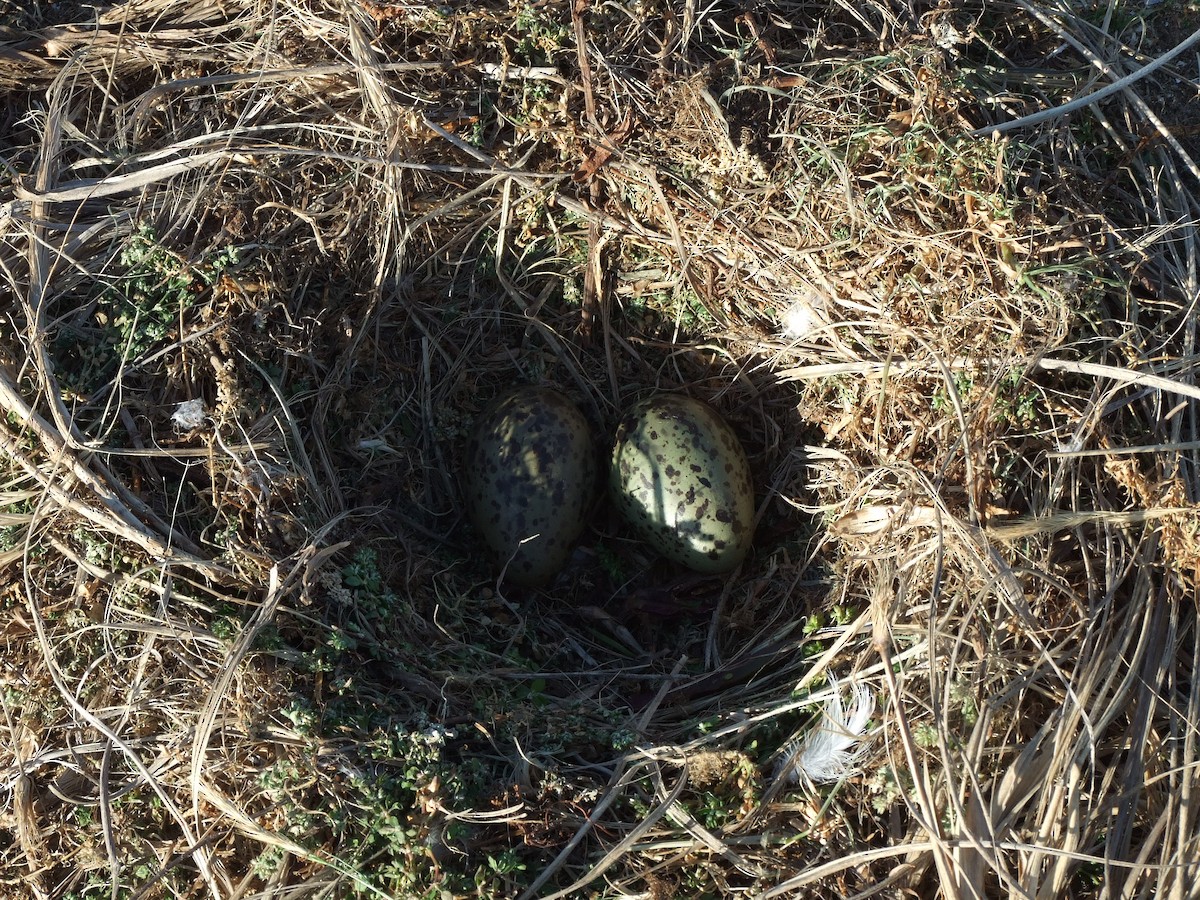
(262, 266)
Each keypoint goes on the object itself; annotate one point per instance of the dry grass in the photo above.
(254, 654)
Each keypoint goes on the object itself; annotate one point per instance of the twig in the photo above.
(585, 68)
(1125, 376)
(1079, 103)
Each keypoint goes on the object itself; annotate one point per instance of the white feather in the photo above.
(830, 751)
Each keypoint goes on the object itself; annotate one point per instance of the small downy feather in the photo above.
(830, 751)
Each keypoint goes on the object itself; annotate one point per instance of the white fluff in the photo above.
(830, 751)
(799, 320)
(803, 315)
(188, 415)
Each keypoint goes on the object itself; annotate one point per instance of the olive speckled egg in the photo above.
(529, 480)
(680, 477)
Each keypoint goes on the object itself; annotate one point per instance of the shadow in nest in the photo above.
(438, 357)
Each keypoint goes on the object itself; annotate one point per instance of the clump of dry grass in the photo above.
(254, 654)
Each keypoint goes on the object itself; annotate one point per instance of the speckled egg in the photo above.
(529, 480)
(679, 475)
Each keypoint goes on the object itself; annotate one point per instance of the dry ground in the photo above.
(262, 262)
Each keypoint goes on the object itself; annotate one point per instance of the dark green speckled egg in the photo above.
(680, 476)
(529, 480)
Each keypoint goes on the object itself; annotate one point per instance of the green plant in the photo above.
(301, 714)
(1016, 400)
(963, 694)
(622, 739)
(97, 548)
(888, 786)
(224, 627)
(370, 595)
(611, 563)
(156, 291)
(148, 299)
(843, 614)
(926, 735)
(395, 781)
(505, 863)
(713, 810)
(964, 384)
(688, 310)
(539, 36)
(267, 862)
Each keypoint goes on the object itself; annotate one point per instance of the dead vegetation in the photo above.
(263, 262)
